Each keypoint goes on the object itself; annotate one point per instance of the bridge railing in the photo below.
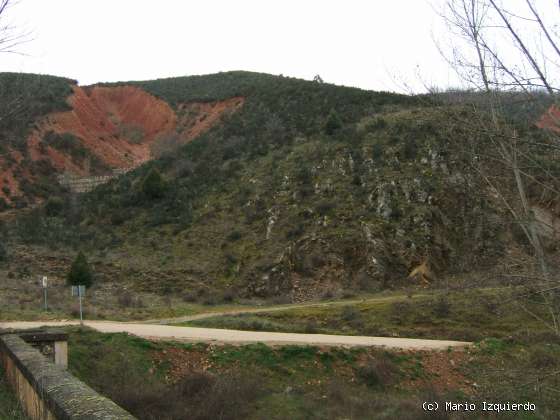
(47, 390)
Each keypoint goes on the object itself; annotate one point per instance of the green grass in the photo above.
(27, 305)
(294, 381)
(90, 352)
(310, 382)
(10, 408)
(463, 315)
(515, 357)
(509, 370)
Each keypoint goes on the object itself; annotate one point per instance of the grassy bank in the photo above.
(461, 315)
(169, 380)
(253, 381)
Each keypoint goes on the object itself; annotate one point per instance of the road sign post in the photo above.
(79, 291)
(45, 284)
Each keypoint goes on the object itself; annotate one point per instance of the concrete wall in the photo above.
(47, 391)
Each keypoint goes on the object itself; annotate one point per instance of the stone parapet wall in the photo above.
(47, 391)
(51, 343)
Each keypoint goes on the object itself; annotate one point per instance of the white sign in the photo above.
(44, 281)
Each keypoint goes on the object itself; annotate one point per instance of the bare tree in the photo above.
(497, 48)
(11, 36)
(505, 55)
(466, 19)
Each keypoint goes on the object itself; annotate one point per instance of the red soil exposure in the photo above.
(9, 186)
(103, 118)
(117, 125)
(182, 362)
(199, 117)
(442, 372)
(551, 119)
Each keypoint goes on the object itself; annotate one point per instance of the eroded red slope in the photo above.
(117, 126)
(551, 119)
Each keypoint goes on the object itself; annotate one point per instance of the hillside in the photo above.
(306, 191)
(65, 128)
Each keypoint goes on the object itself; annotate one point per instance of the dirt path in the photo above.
(210, 335)
(278, 308)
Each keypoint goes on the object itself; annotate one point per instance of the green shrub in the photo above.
(544, 358)
(410, 149)
(333, 124)
(66, 142)
(228, 295)
(377, 124)
(153, 185)
(350, 313)
(54, 206)
(3, 253)
(189, 297)
(134, 133)
(119, 218)
(493, 346)
(442, 307)
(80, 272)
(325, 207)
(296, 231)
(400, 311)
(376, 151)
(376, 373)
(234, 236)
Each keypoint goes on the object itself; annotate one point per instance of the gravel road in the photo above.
(212, 335)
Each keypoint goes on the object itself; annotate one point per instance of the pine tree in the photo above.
(3, 253)
(333, 123)
(153, 185)
(80, 272)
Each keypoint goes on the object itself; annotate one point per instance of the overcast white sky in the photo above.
(364, 43)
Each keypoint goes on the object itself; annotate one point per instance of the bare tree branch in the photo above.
(543, 27)
(522, 45)
(11, 37)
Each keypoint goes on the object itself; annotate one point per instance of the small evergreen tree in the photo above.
(54, 206)
(80, 272)
(333, 123)
(153, 185)
(3, 253)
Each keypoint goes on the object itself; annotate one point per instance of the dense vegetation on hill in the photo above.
(261, 87)
(23, 99)
(309, 189)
